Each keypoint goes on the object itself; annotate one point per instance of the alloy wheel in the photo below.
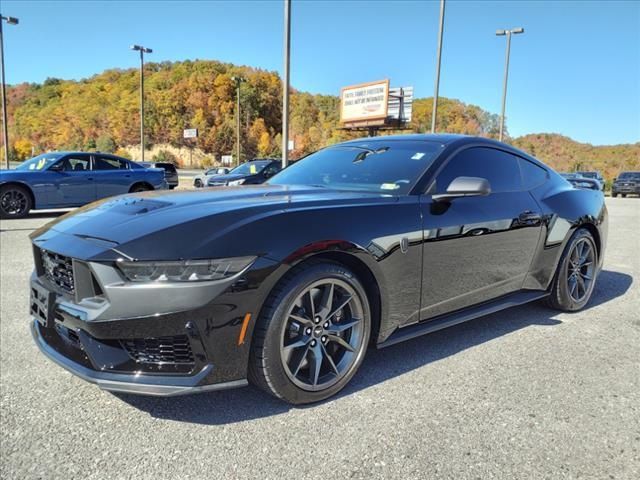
(13, 202)
(580, 270)
(322, 336)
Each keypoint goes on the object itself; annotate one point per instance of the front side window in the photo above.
(499, 168)
(379, 166)
(108, 163)
(249, 168)
(78, 163)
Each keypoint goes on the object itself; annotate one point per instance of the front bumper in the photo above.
(158, 386)
(161, 340)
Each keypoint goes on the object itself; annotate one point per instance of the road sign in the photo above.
(190, 133)
(227, 159)
(291, 145)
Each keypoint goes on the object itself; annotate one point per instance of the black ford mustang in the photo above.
(285, 284)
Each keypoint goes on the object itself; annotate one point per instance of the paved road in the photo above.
(527, 393)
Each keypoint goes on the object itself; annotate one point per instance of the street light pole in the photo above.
(142, 51)
(508, 33)
(5, 128)
(285, 85)
(437, 84)
(238, 81)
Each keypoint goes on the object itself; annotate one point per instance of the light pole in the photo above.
(142, 51)
(285, 83)
(5, 128)
(238, 81)
(437, 84)
(508, 33)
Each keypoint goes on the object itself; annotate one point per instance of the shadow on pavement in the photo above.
(216, 408)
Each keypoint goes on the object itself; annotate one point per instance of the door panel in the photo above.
(112, 176)
(73, 185)
(477, 248)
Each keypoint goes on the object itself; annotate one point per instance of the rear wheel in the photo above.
(614, 194)
(624, 195)
(312, 335)
(139, 187)
(15, 201)
(576, 275)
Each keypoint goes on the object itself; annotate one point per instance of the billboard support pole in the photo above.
(285, 83)
(437, 83)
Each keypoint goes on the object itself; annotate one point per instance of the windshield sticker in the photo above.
(252, 169)
(389, 186)
(418, 156)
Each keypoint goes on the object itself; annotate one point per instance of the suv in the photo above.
(595, 176)
(627, 183)
(170, 172)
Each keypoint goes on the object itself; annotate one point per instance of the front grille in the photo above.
(160, 350)
(58, 269)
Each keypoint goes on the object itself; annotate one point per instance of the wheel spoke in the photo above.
(340, 341)
(330, 360)
(299, 319)
(299, 360)
(581, 286)
(312, 307)
(341, 327)
(326, 302)
(315, 364)
(573, 284)
(342, 305)
(300, 342)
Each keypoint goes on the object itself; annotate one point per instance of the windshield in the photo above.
(387, 167)
(589, 174)
(249, 168)
(629, 176)
(41, 162)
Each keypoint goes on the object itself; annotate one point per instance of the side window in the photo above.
(108, 163)
(532, 174)
(499, 168)
(76, 163)
(271, 170)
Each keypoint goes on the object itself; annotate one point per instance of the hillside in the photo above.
(102, 112)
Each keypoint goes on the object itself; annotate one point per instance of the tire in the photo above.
(139, 187)
(623, 195)
(292, 334)
(573, 284)
(197, 183)
(171, 187)
(15, 201)
(614, 194)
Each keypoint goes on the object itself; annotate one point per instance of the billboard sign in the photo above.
(190, 133)
(367, 101)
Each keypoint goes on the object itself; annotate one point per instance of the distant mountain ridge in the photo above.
(102, 112)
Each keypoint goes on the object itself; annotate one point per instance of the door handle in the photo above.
(529, 217)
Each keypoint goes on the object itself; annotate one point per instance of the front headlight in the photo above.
(233, 183)
(185, 270)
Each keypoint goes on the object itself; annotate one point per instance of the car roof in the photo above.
(73, 152)
(444, 138)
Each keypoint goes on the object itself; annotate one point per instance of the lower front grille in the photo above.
(176, 350)
(58, 269)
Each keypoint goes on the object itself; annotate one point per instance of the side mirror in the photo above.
(56, 167)
(465, 187)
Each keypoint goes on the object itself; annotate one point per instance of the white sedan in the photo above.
(201, 180)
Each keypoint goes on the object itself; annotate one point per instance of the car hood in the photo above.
(172, 225)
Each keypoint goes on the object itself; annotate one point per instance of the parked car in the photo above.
(580, 181)
(595, 176)
(249, 173)
(627, 183)
(71, 179)
(202, 179)
(286, 284)
(170, 172)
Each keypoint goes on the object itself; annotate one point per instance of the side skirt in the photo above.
(460, 316)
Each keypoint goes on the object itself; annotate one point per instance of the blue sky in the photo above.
(575, 70)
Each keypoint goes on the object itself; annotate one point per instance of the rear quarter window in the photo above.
(532, 174)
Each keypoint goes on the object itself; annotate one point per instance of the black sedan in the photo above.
(254, 172)
(285, 285)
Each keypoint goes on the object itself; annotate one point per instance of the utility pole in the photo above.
(437, 83)
(238, 81)
(285, 83)
(508, 34)
(5, 128)
(142, 51)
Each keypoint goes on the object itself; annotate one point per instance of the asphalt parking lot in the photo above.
(526, 393)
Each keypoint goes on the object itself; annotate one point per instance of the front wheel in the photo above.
(197, 183)
(624, 195)
(139, 188)
(614, 194)
(576, 274)
(15, 202)
(312, 335)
